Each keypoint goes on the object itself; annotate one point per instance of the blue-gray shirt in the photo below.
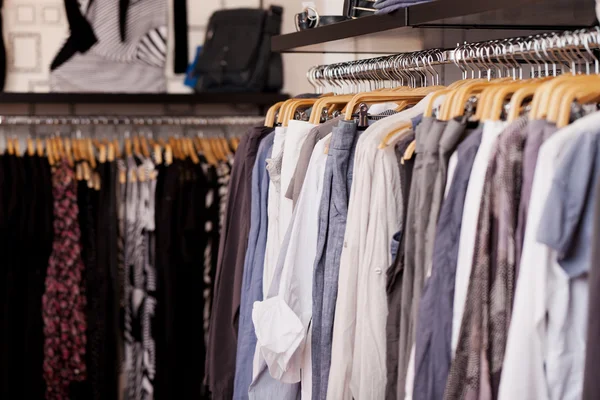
(253, 269)
(567, 222)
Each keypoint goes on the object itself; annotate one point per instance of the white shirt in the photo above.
(545, 349)
(385, 217)
(355, 247)
(294, 139)
(282, 322)
(273, 237)
(466, 246)
(274, 199)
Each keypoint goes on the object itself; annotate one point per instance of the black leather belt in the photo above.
(305, 21)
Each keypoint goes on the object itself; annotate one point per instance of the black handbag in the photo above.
(359, 8)
(236, 55)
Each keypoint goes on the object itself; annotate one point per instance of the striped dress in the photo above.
(140, 282)
(112, 65)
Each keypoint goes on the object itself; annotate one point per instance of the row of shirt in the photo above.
(448, 260)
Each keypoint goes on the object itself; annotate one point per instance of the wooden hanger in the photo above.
(235, 142)
(69, 152)
(517, 101)
(463, 94)
(214, 143)
(283, 110)
(386, 141)
(90, 153)
(192, 151)
(128, 147)
(79, 172)
(173, 143)
(315, 116)
(542, 97)
(96, 178)
(60, 143)
(110, 152)
(498, 98)
(585, 92)
(39, 147)
(10, 148)
(157, 154)
(48, 151)
(168, 155)
(410, 151)
(102, 153)
(117, 147)
(450, 90)
(76, 143)
(136, 146)
(181, 148)
(370, 97)
(144, 145)
(17, 147)
(293, 107)
(270, 117)
(30, 147)
(207, 151)
(225, 146)
(561, 90)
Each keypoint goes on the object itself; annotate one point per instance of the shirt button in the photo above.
(378, 271)
(345, 244)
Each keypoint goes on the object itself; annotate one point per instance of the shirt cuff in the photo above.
(280, 333)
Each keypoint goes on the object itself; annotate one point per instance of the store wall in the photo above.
(34, 30)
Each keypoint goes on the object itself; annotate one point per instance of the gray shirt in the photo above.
(425, 171)
(537, 133)
(316, 134)
(452, 136)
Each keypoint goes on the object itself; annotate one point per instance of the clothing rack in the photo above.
(546, 54)
(135, 121)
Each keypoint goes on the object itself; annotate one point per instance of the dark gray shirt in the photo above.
(394, 273)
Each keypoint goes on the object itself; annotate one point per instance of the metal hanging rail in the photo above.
(135, 121)
(545, 54)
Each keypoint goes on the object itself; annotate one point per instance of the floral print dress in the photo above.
(63, 303)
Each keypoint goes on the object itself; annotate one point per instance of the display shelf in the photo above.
(515, 15)
(259, 99)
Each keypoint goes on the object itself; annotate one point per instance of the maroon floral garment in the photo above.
(63, 303)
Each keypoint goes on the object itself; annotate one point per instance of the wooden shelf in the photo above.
(516, 15)
(259, 99)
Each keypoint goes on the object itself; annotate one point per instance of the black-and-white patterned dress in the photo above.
(136, 64)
